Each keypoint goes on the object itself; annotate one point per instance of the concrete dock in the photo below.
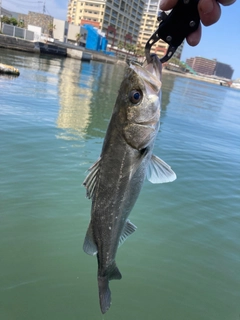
(59, 49)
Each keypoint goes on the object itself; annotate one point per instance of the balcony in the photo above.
(106, 18)
(113, 21)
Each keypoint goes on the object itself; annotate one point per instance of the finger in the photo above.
(194, 38)
(226, 2)
(209, 11)
(167, 4)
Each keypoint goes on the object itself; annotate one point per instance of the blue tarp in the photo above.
(94, 40)
(104, 43)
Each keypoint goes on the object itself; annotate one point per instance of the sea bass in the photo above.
(115, 180)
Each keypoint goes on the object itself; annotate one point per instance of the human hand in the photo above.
(209, 12)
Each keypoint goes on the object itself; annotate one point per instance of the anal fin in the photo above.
(128, 229)
(113, 272)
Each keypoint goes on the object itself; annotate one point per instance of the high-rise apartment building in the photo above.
(149, 25)
(152, 6)
(120, 20)
(90, 11)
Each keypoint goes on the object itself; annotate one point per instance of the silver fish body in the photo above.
(115, 180)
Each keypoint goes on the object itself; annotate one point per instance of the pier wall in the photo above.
(18, 44)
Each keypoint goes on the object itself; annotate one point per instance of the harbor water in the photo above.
(183, 261)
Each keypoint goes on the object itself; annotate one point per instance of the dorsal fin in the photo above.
(159, 171)
(91, 179)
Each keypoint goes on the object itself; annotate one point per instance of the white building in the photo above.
(66, 32)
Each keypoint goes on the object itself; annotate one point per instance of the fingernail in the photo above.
(192, 40)
(206, 6)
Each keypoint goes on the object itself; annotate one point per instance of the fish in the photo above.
(115, 180)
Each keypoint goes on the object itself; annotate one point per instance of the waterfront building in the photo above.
(120, 20)
(36, 19)
(210, 67)
(223, 70)
(32, 18)
(66, 32)
(202, 65)
(7, 13)
(149, 25)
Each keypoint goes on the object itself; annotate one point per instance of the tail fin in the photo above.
(104, 294)
(103, 287)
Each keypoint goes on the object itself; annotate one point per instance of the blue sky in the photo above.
(220, 41)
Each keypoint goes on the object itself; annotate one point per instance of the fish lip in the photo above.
(154, 66)
(150, 122)
(150, 73)
(150, 125)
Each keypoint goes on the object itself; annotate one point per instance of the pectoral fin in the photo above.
(159, 171)
(128, 229)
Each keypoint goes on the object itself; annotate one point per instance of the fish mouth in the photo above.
(150, 122)
(154, 66)
(150, 72)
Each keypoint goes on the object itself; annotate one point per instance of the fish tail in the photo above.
(104, 294)
(103, 287)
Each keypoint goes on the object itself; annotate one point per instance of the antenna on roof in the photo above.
(44, 6)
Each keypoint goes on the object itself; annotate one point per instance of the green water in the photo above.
(182, 263)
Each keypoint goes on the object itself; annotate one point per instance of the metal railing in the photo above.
(17, 32)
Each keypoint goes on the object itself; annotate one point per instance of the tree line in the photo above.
(12, 21)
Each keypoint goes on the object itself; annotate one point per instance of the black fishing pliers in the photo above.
(175, 27)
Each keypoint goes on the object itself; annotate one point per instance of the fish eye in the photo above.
(135, 96)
